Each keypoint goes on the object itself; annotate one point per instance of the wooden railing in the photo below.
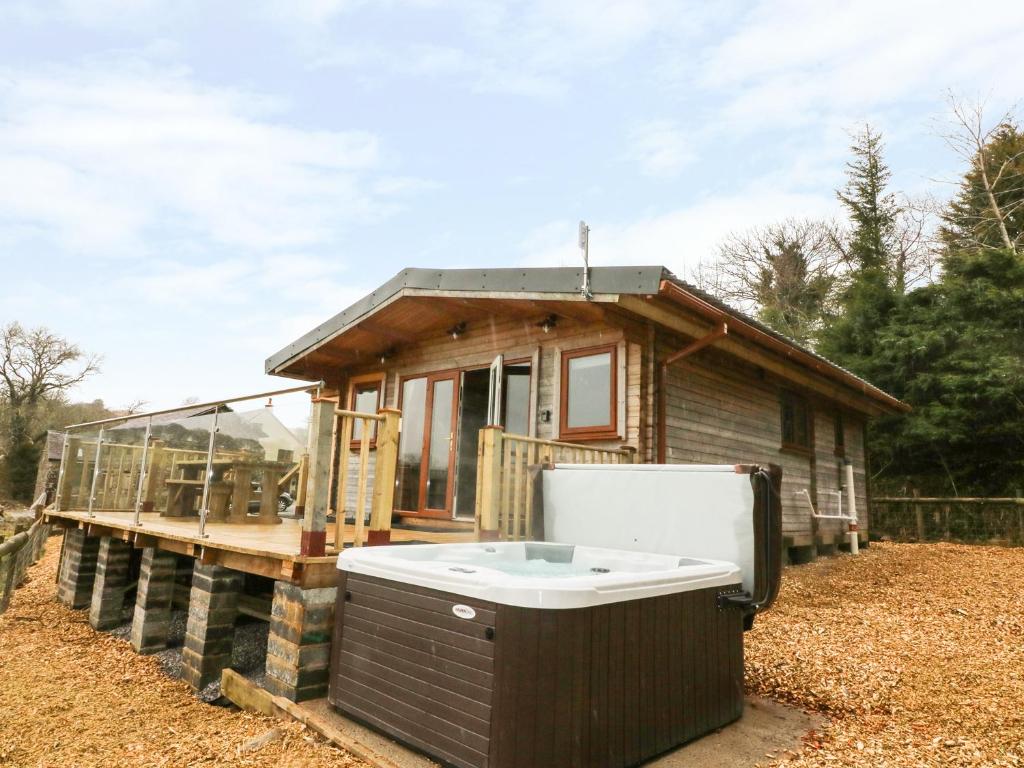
(988, 520)
(504, 481)
(19, 552)
(385, 447)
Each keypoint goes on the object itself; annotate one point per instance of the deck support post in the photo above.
(210, 632)
(109, 586)
(299, 646)
(152, 619)
(316, 496)
(77, 568)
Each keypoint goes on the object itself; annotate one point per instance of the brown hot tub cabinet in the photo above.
(464, 651)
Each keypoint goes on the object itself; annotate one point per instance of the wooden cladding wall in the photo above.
(722, 411)
(856, 452)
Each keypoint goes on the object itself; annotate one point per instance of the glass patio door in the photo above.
(426, 464)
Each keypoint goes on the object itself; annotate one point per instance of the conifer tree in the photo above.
(850, 336)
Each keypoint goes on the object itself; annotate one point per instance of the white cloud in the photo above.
(103, 161)
(660, 148)
(534, 48)
(678, 239)
(793, 61)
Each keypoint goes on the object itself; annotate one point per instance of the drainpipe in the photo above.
(696, 346)
(851, 505)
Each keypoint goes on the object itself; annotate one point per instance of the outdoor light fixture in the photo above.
(387, 353)
(548, 323)
(457, 330)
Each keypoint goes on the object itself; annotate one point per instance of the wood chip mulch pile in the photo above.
(70, 696)
(915, 652)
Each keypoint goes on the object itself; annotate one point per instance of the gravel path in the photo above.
(70, 696)
(916, 652)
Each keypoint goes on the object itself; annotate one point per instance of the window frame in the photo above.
(609, 431)
(358, 384)
(796, 400)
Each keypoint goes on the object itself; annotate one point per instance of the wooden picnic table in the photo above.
(185, 490)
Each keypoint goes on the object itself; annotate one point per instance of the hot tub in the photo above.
(535, 653)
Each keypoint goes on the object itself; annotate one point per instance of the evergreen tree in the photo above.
(955, 351)
(873, 211)
(850, 336)
(988, 210)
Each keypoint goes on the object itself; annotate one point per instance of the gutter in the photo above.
(718, 333)
(673, 292)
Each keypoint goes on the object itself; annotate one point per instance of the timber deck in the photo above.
(264, 550)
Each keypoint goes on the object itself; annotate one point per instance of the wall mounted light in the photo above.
(386, 354)
(548, 323)
(457, 330)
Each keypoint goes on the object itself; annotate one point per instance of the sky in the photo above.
(186, 187)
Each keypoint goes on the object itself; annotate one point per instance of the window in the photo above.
(587, 407)
(796, 432)
(410, 444)
(364, 397)
(840, 435)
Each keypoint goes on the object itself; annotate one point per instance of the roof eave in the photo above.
(819, 365)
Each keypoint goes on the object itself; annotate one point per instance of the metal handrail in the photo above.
(193, 406)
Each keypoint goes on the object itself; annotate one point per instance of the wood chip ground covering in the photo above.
(915, 651)
(70, 696)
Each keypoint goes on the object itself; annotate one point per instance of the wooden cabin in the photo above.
(636, 366)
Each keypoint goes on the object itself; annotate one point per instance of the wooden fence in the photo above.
(504, 482)
(379, 431)
(19, 552)
(992, 520)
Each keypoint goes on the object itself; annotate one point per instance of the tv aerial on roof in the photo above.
(585, 247)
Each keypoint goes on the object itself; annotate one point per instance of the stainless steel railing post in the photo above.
(142, 470)
(95, 471)
(204, 507)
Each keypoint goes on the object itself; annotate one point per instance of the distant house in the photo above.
(637, 358)
(49, 465)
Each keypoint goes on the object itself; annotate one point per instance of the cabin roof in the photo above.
(565, 284)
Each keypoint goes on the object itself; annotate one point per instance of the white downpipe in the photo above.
(851, 503)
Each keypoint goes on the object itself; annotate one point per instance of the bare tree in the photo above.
(915, 252)
(785, 273)
(36, 366)
(991, 200)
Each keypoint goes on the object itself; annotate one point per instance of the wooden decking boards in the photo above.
(265, 550)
